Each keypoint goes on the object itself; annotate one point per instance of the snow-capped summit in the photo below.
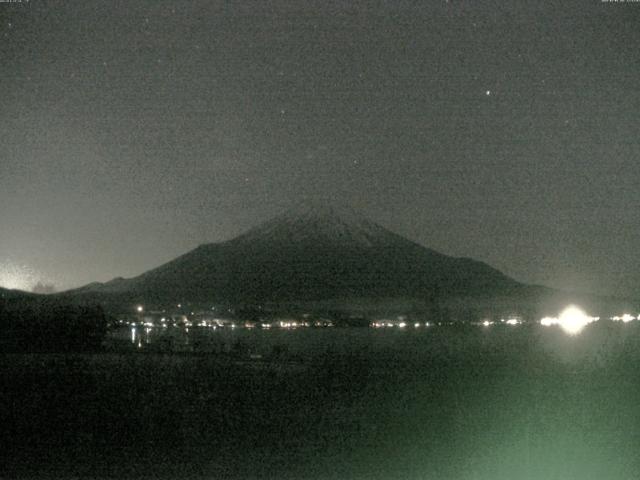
(319, 223)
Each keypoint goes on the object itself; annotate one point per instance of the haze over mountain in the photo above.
(314, 252)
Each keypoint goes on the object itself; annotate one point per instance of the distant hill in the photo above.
(7, 294)
(317, 253)
(45, 323)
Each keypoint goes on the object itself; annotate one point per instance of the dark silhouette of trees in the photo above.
(48, 325)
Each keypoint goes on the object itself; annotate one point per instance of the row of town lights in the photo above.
(572, 320)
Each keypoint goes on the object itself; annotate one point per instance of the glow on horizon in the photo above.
(16, 277)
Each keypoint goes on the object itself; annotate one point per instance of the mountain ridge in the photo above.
(314, 256)
(309, 252)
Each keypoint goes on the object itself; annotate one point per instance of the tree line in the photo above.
(40, 324)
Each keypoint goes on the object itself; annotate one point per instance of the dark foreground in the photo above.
(472, 403)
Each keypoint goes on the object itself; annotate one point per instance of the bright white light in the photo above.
(139, 308)
(486, 323)
(402, 324)
(548, 321)
(626, 318)
(416, 325)
(512, 321)
(573, 320)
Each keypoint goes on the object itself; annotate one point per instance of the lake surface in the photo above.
(501, 402)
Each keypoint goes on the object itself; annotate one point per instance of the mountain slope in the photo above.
(312, 252)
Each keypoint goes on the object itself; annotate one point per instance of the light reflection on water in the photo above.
(594, 344)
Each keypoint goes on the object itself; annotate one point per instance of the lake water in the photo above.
(595, 344)
(459, 403)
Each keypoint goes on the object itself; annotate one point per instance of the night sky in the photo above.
(509, 132)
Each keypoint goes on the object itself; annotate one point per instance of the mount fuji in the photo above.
(312, 252)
